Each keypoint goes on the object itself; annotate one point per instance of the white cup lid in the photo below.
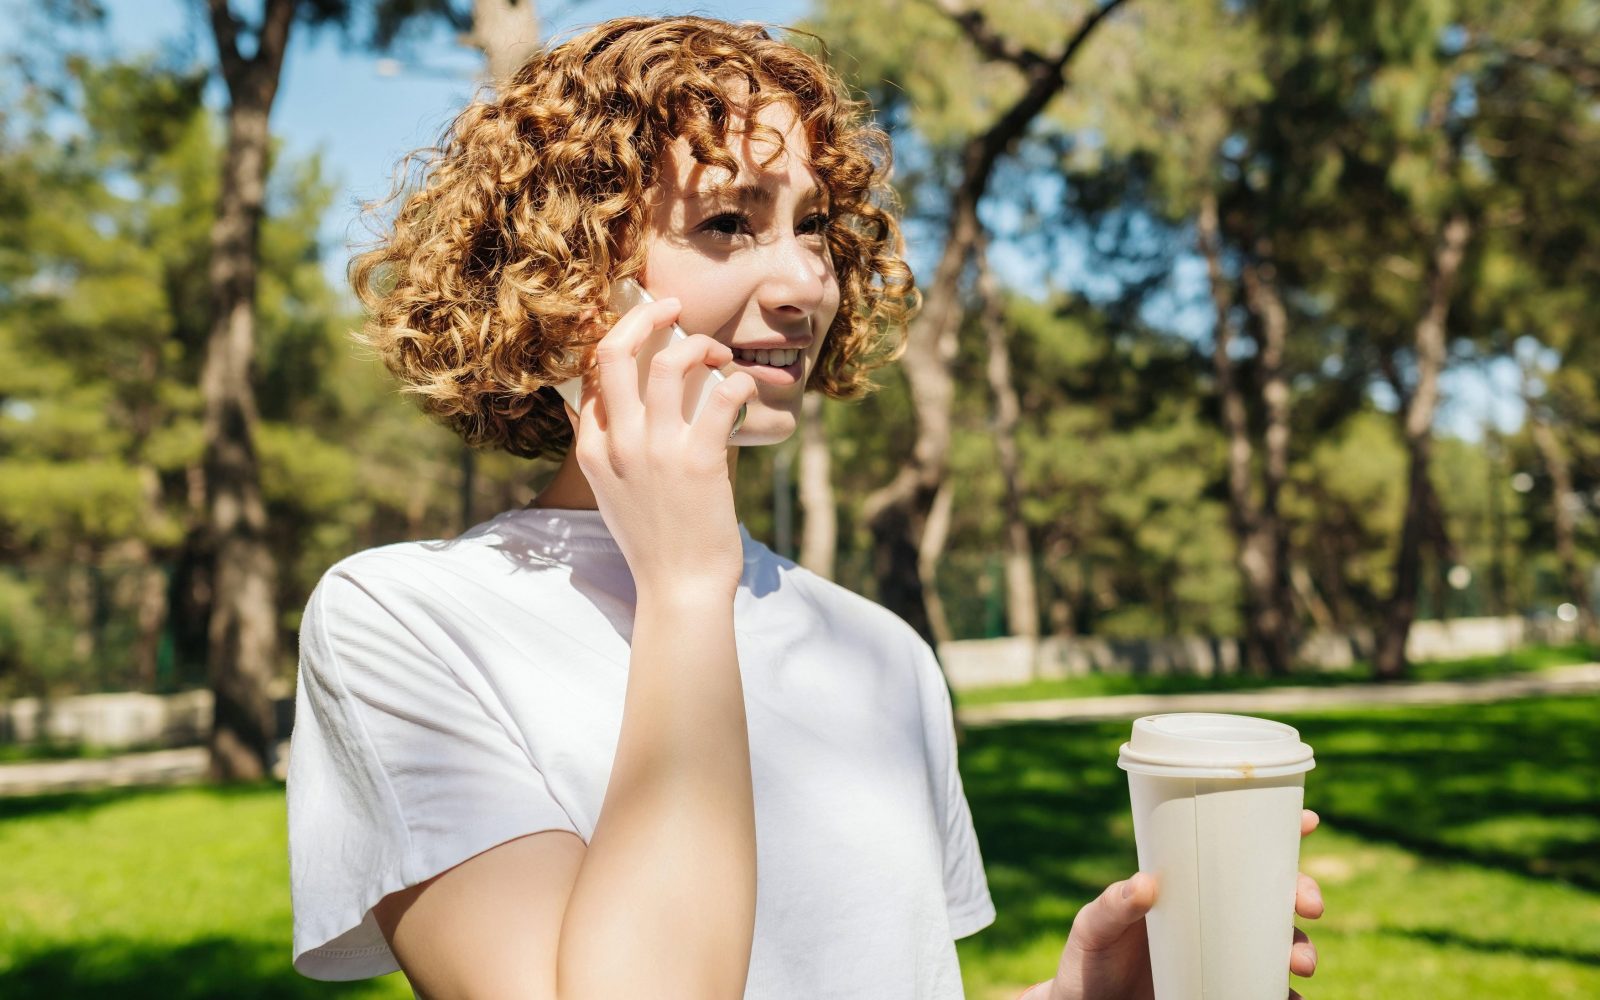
(1206, 745)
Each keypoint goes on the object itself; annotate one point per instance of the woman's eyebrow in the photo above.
(749, 194)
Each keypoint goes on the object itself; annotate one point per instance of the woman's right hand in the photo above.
(661, 483)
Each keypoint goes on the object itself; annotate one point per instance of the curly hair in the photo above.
(491, 283)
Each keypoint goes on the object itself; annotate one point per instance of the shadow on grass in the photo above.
(1048, 804)
(58, 803)
(1450, 939)
(1510, 786)
(198, 970)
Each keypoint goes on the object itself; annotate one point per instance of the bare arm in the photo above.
(664, 905)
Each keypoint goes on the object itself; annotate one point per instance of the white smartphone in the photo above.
(697, 387)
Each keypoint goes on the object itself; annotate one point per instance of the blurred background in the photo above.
(1257, 353)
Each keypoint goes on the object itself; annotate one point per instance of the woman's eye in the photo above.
(726, 226)
(816, 225)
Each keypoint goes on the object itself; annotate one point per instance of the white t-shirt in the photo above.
(454, 695)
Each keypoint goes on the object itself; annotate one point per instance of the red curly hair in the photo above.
(492, 281)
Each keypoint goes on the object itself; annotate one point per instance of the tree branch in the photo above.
(1566, 60)
(274, 38)
(259, 73)
(226, 29)
(1044, 83)
(988, 41)
(1084, 31)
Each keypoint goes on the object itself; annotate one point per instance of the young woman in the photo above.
(608, 745)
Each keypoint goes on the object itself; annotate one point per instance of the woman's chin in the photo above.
(763, 426)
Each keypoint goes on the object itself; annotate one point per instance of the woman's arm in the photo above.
(664, 904)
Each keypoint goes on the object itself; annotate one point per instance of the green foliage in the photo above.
(1317, 126)
(103, 323)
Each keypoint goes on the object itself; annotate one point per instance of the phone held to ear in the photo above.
(697, 387)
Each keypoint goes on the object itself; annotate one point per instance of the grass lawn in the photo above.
(1524, 660)
(1459, 854)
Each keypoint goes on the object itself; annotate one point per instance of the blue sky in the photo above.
(362, 112)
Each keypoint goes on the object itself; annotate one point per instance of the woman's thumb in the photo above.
(1121, 905)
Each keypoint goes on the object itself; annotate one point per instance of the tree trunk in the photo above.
(82, 599)
(935, 532)
(506, 32)
(1555, 462)
(1256, 535)
(898, 512)
(242, 637)
(1022, 599)
(1497, 524)
(1389, 659)
(1265, 302)
(819, 521)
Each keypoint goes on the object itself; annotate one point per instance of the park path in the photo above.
(187, 765)
(178, 766)
(1581, 679)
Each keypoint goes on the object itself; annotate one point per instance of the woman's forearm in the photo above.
(664, 903)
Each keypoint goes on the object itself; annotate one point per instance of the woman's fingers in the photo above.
(668, 374)
(616, 364)
(1308, 897)
(1302, 955)
(722, 408)
(1307, 903)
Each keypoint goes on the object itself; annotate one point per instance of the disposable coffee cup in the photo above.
(1216, 816)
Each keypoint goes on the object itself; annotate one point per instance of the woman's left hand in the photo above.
(1107, 956)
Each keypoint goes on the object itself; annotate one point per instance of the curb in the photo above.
(178, 766)
(1580, 679)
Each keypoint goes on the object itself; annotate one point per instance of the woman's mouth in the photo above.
(775, 367)
(778, 358)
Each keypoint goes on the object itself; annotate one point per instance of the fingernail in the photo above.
(1127, 889)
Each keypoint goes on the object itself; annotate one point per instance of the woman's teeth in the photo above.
(777, 358)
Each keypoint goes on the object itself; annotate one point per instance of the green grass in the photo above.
(1459, 855)
(175, 893)
(1525, 660)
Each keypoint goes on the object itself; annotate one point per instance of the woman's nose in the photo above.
(796, 277)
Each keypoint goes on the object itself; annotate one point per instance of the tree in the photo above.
(243, 628)
(899, 512)
(110, 188)
(243, 616)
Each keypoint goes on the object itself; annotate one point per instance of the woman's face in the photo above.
(749, 263)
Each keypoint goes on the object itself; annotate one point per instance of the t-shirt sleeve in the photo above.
(966, 885)
(401, 766)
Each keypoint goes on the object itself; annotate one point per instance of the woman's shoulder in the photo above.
(429, 575)
(844, 609)
(419, 562)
